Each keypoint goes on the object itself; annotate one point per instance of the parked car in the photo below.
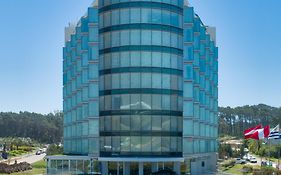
(39, 152)
(253, 160)
(240, 161)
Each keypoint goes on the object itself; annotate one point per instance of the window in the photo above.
(145, 59)
(145, 144)
(135, 80)
(156, 123)
(135, 15)
(166, 81)
(115, 81)
(115, 39)
(146, 101)
(146, 80)
(166, 104)
(166, 60)
(165, 144)
(145, 15)
(188, 127)
(107, 123)
(156, 144)
(125, 143)
(166, 123)
(115, 20)
(125, 102)
(125, 123)
(188, 108)
(116, 143)
(156, 102)
(146, 37)
(115, 123)
(135, 123)
(93, 108)
(124, 16)
(156, 38)
(156, 16)
(125, 80)
(145, 122)
(116, 102)
(156, 80)
(135, 144)
(125, 37)
(125, 59)
(135, 102)
(135, 59)
(135, 37)
(156, 59)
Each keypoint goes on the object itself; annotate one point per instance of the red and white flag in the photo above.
(257, 132)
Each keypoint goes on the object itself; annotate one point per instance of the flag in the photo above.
(275, 133)
(249, 132)
(257, 133)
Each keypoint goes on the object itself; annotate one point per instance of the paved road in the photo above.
(31, 158)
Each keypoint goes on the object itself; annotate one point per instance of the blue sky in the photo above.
(32, 37)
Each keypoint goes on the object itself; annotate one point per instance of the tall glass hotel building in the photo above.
(140, 90)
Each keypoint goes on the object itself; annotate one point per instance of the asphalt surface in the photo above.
(31, 158)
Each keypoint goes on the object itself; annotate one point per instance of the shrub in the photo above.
(247, 169)
(229, 163)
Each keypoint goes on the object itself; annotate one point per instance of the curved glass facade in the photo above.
(141, 78)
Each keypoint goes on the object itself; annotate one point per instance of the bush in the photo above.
(54, 149)
(247, 169)
(229, 163)
(266, 171)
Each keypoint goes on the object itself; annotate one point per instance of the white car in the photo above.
(253, 160)
(240, 161)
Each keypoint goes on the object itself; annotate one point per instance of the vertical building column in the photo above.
(126, 168)
(154, 167)
(177, 167)
(140, 168)
(104, 168)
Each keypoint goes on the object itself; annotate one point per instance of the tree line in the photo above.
(233, 121)
(42, 128)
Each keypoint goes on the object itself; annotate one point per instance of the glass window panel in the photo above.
(107, 81)
(135, 80)
(165, 143)
(135, 101)
(125, 59)
(156, 38)
(116, 143)
(156, 144)
(135, 15)
(145, 15)
(156, 123)
(146, 59)
(115, 123)
(125, 37)
(116, 102)
(135, 37)
(156, 59)
(174, 102)
(188, 127)
(156, 16)
(166, 60)
(146, 101)
(166, 123)
(93, 108)
(146, 123)
(135, 122)
(115, 20)
(156, 80)
(115, 81)
(125, 80)
(115, 39)
(156, 102)
(125, 102)
(174, 82)
(166, 81)
(135, 144)
(125, 123)
(174, 125)
(146, 37)
(135, 59)
(124, 16)
(146, 80)
(166, 102)
(146, 144)
(166, 41)
(107, 123)
(125, 143)
(174, 40)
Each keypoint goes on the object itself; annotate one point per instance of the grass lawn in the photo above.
(236, 169)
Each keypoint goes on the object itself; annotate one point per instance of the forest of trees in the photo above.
(49, 128)
(233, 121)
(42, 128)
